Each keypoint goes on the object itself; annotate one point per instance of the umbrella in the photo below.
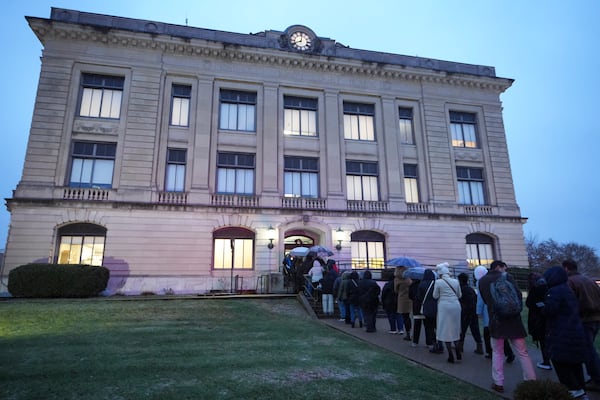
(299, 251)
(321, 251)
(414, 273)
(403, 262)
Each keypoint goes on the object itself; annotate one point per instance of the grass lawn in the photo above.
(198, 349)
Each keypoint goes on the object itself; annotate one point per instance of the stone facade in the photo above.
(159, 240)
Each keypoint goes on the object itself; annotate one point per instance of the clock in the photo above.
(300, 41)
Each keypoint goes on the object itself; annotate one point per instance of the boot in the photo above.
(479, 349)
(450, 355)
(458, 348)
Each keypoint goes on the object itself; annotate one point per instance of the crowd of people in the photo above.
(563, 315)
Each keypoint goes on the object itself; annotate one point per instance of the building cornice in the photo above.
(48, 30)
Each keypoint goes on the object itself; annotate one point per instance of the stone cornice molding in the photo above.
(47, 30)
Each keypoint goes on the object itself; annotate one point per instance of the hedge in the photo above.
(57, 280)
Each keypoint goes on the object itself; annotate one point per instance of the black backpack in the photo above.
(507, 302)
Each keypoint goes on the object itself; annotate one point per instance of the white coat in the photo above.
(448, 315)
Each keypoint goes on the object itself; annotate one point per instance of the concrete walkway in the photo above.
(474, 368)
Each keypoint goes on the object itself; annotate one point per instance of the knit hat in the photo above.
(442, 269)
(479, 272)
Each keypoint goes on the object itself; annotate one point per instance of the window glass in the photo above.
(101, 96)
(359, 121)
(406, 126)
(180, 105)
(470, 186)
(233, 245)
(301, 177)
(81, 244)
(463, 129)
(175, 174)
(300, 116)
(237, 111)
(92, 165)
(235, 173)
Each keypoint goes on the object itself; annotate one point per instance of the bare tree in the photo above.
(549, 252)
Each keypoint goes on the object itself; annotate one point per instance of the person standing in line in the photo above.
(429, 310)
(565, 337)
(468, 314)
(418, 317)
(355, 310)
(536, 322)
(447, 292)
(327, 290)
(502, 329)
(337, 292)
(389, 301)
(401, 285)
(588, 295)
(368, 294)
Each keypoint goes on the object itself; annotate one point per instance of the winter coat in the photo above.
(429, 303)
(588, 294)
(401, 286)
(447, 292)
(389, 300)
(536, 322)
(328, 281)
(368, 293)
(413, 294)
(352, 288)
(507, 328)
(565, 337)
(468, 300)
(343, 291)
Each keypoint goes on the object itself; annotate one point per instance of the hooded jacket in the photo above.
(429, 303)
(565, 337)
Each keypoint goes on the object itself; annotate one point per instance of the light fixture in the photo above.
(270, 236)
(339, 236)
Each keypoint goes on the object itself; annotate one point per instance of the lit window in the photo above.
(359, 121)
(101, 96)
(411, 186)
(362, 181)
(92, 165)
(480, 250)
(463, 129)
(180, 105)
(301, 177)
(367, 249)
(238, 111)
(235, 173)
(175, 176)
(300, 116)
(406, 126)
(233, 248)
(470, 186)
(81, 243)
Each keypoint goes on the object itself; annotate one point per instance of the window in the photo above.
(463, 129)
(235, 173)
(361, 181)
(81, 243)
(367, 249)
(92, 165)
(175, 176)
(234, 248)
(480, 250)
(470, 186)
(411, 187)
(406, 126)
(238, 111)
(300, 116)
(301, 177)
(101, 96)
(358, 121)
(180, 105)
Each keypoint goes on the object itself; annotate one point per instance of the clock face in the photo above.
(300, 41)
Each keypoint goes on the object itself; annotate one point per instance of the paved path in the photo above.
(474, 368)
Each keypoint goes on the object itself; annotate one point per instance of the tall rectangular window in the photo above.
(175, 175)
(92, 164)
(101, 96)
(237, 111)
(411, 183)
(406, 125)
(235, 173)
(300, 116)
(470, 186)
(359, 121)
(180, 105)
(301, 177)
(361, 181)
(463, 127)
(241, 253)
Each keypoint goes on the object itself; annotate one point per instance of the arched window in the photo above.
(233, 248)
(81, 243)
(368, 249)
(480, 249)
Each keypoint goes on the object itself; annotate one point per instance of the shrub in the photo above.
(541, 390)
(57, 280)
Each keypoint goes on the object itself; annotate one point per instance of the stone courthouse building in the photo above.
(184, 159)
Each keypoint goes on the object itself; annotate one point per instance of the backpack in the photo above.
(507, 302)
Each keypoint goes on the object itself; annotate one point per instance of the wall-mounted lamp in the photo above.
(339, 236)
(270, 236)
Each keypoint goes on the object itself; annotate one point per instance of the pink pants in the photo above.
(520, 349)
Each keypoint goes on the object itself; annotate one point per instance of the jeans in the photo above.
(342, 307)
(592, 364)
(520, 348)
(356, 312)
(327, 304)
(470, 321)
(391, 316)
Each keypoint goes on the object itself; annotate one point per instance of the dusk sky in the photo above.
(550, 48)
